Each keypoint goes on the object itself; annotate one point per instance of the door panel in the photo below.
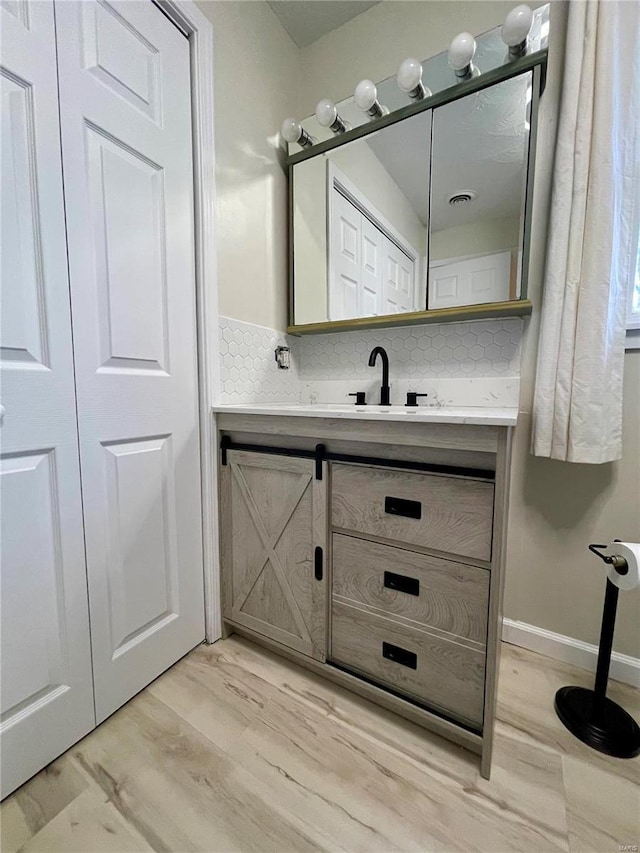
(345, 261)
(470, 282)
(126, 194)
(47, 697)
(273, 518)
(399, 280)
(143, 577)
(126, 144)
(121, 58)
(373, 241)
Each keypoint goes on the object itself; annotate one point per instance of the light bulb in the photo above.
(365, 95)
(327, 116)
(366, 99)
(292, 131)
(516, 28)
(409, 79)
(461, 52)
(409, 74)
(326, 112)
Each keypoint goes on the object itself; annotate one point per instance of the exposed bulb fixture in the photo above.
(516, 28)
(461, 52)
(366, 98)
(410, 79)
(327, 116)
(292, 131)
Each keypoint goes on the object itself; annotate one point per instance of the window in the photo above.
(633, 317)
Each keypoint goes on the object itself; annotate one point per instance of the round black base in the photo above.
(614, 731)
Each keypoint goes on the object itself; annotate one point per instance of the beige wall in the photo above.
(256, 73)
(475, 238)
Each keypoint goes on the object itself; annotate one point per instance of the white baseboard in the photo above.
(623, 667)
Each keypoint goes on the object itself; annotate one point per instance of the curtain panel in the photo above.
(577, 414)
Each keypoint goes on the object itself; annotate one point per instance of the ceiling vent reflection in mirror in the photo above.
(463, 197)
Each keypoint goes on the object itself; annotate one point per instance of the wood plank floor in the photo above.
(234, 749)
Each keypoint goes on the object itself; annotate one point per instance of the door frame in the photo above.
(199, 30)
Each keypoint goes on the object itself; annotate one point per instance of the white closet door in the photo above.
(345, 259)
(47, 697)
(369, 274)
(126, 148)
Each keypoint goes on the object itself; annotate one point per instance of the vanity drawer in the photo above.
(445, 595)
(446, 675)
(451, 514)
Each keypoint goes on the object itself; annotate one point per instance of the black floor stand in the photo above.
(588, 714)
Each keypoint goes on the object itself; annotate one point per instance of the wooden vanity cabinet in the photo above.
(372, 553)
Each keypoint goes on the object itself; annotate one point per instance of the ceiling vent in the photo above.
(463, 197)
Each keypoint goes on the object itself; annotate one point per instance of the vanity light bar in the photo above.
(514, 32)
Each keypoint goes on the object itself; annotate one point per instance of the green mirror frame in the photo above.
(536, 62)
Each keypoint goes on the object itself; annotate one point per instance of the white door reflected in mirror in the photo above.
(472, 281)
(373, 269)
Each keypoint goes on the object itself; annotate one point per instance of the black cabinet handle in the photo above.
(402, 583)
(318, 561)
(405, 508)
(399, 655)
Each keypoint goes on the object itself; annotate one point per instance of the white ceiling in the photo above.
(308, 20)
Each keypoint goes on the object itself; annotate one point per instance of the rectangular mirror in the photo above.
(361, 226)
(427, 213)
(480, 151)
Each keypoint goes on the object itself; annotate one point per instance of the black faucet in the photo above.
(384, 390)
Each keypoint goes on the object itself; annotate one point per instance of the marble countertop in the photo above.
(485, 416)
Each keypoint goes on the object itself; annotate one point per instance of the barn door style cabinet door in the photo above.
(273, 548)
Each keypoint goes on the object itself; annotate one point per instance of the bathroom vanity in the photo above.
(367, 544)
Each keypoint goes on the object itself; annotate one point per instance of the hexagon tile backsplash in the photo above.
(477, 350)
(449, 350)
(248, 369)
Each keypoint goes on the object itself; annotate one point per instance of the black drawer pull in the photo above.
(318, 563)
(400, 506)
(402, 583)
(398, 655)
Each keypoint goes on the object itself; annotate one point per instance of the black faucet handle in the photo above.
(412, 398)
(360, 396)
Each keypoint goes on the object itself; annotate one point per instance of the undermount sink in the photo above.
(485, 415)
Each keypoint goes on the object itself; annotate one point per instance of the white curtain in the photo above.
(577, 413)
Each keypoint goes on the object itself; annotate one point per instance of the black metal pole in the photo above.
(606, 644)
